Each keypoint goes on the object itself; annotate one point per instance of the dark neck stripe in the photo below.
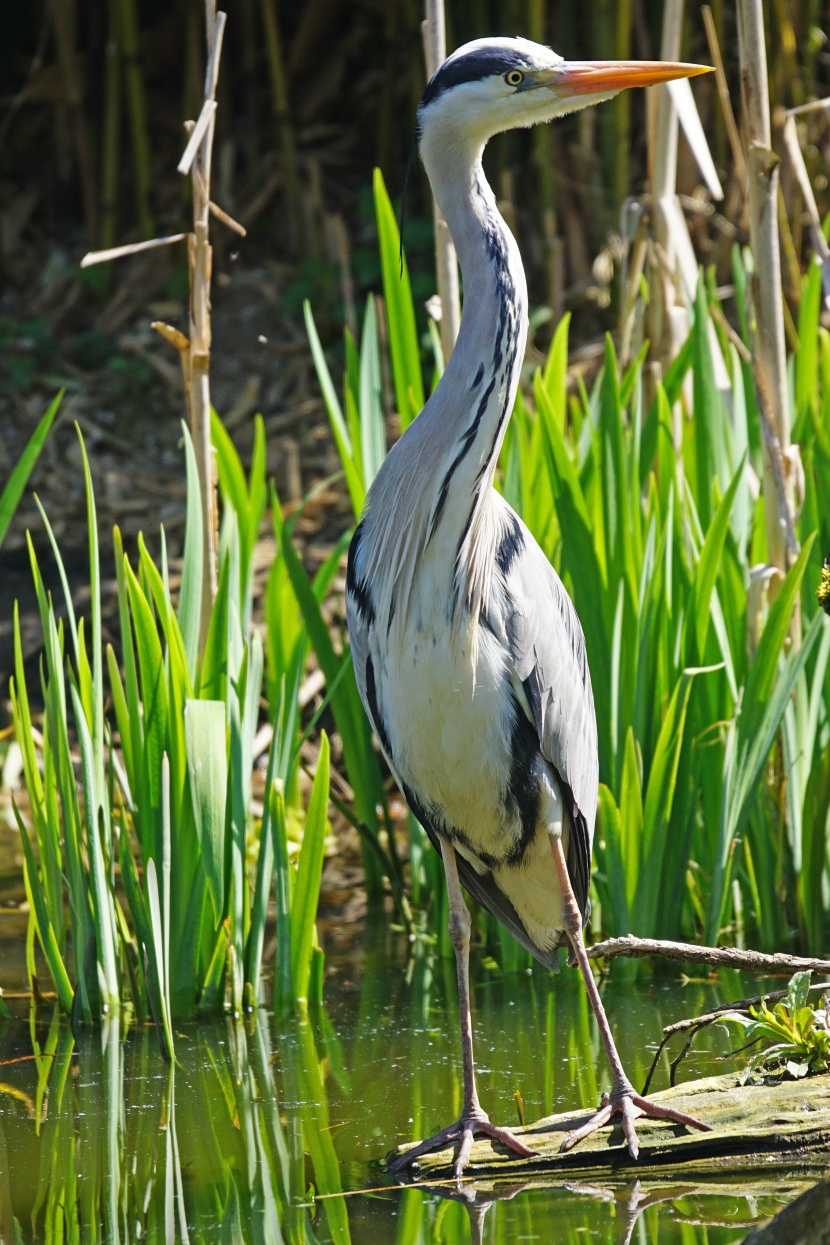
(503, 361)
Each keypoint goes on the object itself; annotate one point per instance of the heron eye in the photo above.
(514, 78)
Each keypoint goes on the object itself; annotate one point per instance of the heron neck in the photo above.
(468, 414)
(430, 519)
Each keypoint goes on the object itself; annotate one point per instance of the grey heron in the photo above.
(468, 653)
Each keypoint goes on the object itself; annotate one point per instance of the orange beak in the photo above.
(597, 77)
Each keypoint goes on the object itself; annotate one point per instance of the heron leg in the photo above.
(623, 1100)
(473, 1120)
(460, 925)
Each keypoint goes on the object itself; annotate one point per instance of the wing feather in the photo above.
(547, 649)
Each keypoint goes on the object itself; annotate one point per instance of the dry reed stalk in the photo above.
(666, 329)
(131, 248)
(769, 350)
(446, 263)
(200, 261)
(194, 350)
(796, 159)
(622, 105)
(279, 98)
(137, 107)
(723, 94)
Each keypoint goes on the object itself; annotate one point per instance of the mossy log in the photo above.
(768, 1125)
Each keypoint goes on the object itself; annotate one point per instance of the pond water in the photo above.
(271, 1131)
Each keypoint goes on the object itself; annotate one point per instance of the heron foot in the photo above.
(630, 1106)
(463, 1132)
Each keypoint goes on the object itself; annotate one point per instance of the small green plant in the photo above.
(799, 1035)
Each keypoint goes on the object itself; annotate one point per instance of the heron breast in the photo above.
(452, 728)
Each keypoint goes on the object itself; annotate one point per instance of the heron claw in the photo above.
(630, 1106)
(464, 1131)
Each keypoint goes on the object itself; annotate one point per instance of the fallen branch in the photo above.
(718, 957)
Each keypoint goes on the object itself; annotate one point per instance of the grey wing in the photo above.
(359, 641)
(547, 649)
(360, 619)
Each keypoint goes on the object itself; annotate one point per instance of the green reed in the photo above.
(138, 874)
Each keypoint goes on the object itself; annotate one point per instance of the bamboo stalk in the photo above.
(446, 263)
(110, 152)
(771, 366)
(282, 116)
(137, 106)
(64, 28)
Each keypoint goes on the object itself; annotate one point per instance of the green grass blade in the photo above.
(657, 809)
(17, 481)
(157, 932)
(766, 695)
(190, 592)
(309, 871)
(106, 934)
(359, 756)
(709, 415)
(40, 916)
(96, 724)
(806, 361)
(213, 678)
(372, 428)
(342, 439)
(554, 375)
(613, 869)
(207, 767)
(706, 572)
(404, 347)
(154, 704)
(283, 981)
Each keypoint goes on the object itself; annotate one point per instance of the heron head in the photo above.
(491, 85)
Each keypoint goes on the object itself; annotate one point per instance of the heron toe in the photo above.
(629, 1106)
(463, 1132)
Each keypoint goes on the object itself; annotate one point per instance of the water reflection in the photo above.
(272, 1132)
